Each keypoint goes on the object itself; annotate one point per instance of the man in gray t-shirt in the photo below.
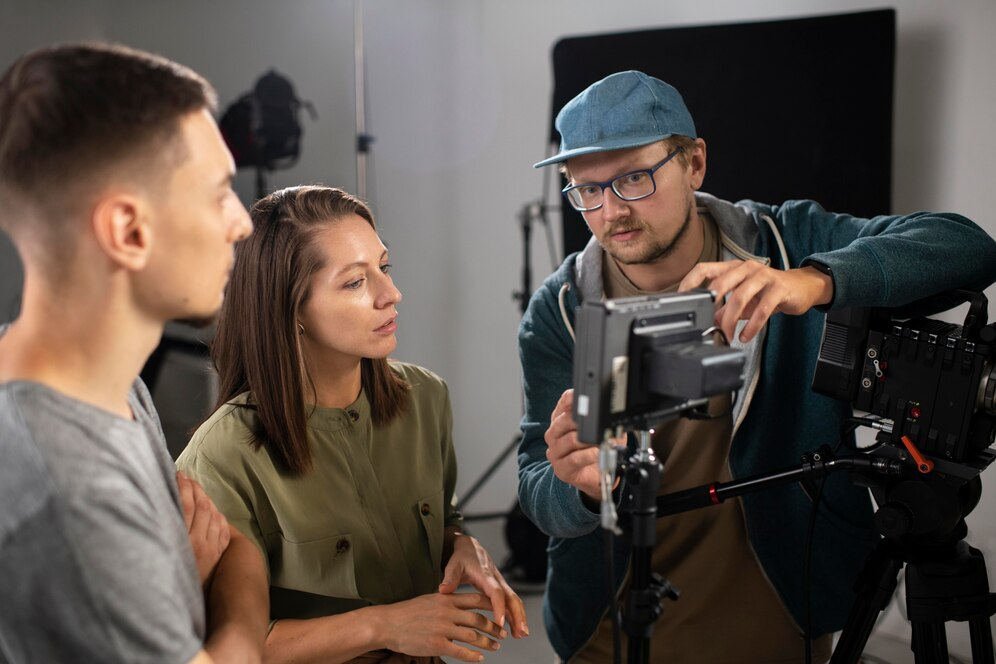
(116, 190)
(89, 534)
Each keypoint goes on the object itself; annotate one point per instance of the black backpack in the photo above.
(262, 127)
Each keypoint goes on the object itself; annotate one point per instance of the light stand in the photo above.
(363, 139)
(530, 213)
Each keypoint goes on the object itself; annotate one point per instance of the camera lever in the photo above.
(819, 463)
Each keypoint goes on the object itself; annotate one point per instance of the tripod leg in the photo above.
(930, 644)
(981, 633)
(875, 588)
(951, 585)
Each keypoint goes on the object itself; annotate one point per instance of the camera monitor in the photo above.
(643, 360)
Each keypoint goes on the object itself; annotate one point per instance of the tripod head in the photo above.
(921, 517)
(918, 509)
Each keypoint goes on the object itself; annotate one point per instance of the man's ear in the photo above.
(697, 163)
(121, 226)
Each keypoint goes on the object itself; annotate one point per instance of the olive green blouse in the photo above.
(365, 525)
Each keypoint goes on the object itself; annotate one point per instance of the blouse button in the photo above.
(425, 509)
(342, 545)
(353, 415)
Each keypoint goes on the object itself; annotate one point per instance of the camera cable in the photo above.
(610, 584)
(810, 533)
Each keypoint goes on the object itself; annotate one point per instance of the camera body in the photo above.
(934, 380)
(639, 361)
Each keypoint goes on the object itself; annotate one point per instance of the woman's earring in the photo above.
(300, 329)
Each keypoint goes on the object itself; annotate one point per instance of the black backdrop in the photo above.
(798, 108)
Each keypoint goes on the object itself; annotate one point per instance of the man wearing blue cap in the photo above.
(634, 165)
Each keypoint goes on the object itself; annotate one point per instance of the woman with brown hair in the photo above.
(335, 461)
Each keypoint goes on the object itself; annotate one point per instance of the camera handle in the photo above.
(817, 464)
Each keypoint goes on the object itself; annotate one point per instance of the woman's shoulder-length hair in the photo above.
(257, 347)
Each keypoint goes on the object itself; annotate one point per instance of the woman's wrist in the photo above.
(373, 628)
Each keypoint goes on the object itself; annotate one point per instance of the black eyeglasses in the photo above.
(632, 186)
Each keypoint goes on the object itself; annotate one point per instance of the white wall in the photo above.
(459, 97)
(24, 26)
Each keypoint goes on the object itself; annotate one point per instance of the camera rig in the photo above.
(638, 362)
(929, 387)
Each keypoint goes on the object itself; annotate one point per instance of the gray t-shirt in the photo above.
(95, 564)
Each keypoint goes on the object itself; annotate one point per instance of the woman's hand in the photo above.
(471, 564)
(429, 626)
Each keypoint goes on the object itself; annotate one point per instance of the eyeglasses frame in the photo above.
(608, 184)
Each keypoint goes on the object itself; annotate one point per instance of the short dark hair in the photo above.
(72, 114)
(257, 348)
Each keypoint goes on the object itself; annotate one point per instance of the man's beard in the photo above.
(657, 250)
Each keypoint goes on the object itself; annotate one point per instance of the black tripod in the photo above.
(944, 583)
(923, 528)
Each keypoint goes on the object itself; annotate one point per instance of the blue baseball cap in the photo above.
(624, 110)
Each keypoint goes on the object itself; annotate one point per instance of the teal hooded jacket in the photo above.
(886, 261)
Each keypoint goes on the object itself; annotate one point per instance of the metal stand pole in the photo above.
(363, 140)
(647, 589)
